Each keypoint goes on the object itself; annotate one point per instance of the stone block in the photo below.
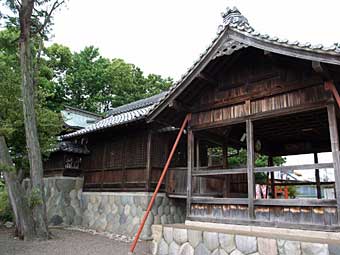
(127, 209)
(210, 240)
(168, 234)
(133, 210)
(73, 194)
(154, 247)
(334, 249)
(56, 220)
(157, 219)
(77, 220)
(180, 235)
(288, 247)
(164, 219)
(236, 252)
(186, 249)
(246, 244)
(194, 237)
(160, 211)
(202, 250)
(173, 248)
(314, 249)
(227, 242)
(65, 185)
(163, 248)
(267, 246)
(157, 231)
(167, 209)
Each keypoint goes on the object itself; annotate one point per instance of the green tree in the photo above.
(33, 20)
(89, 81)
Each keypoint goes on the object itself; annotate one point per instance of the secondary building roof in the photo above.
(121, 115)
(77, 118)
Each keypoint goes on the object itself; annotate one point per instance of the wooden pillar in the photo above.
(333, 131)
(272, 176)
(225, 166)
(199, 179)
(124, 160)
(250, 168)
(148, 167)
(104, 165)
(317, 177)
(191, 154)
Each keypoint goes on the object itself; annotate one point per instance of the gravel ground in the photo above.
(67, 242)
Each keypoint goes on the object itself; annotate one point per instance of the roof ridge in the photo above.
(141, 103)
(234, 19)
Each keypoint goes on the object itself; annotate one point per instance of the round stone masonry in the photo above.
(186, 240)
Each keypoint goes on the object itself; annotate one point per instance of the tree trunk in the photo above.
(32, 141)
(21, 211)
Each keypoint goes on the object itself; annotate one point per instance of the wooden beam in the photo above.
(191, 153)
(317, 177)
(219, 201)
(250, 168)
(220, 172)
(296, 202)
(334, 137)
(275, 224)
(304, 202)
(211, 172)
(292, 167)
(148, 167)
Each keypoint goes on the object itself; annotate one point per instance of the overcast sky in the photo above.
(166, 37)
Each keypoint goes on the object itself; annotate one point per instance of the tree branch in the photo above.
(48, 16)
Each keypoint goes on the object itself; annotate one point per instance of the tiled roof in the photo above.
(137, 104)
(121, 115)
(233, 20)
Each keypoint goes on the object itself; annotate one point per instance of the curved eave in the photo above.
(251, 39)
(285, 48)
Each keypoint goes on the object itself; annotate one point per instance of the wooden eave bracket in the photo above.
(329, 86)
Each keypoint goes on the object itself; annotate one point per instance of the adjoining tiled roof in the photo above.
(121, 115)
(137, 104)
(233, 20)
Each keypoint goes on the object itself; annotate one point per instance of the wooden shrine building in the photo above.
(247, 92)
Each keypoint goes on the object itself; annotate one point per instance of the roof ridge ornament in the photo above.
(234, 16)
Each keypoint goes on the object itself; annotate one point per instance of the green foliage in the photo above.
(5, 207)
(238, 158)
(6, 168)
(11, 113)
(35, 198)
(89, 81)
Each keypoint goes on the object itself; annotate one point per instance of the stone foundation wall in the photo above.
(183, 240)
(121, 212)
(63, 195)
(115, 212)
